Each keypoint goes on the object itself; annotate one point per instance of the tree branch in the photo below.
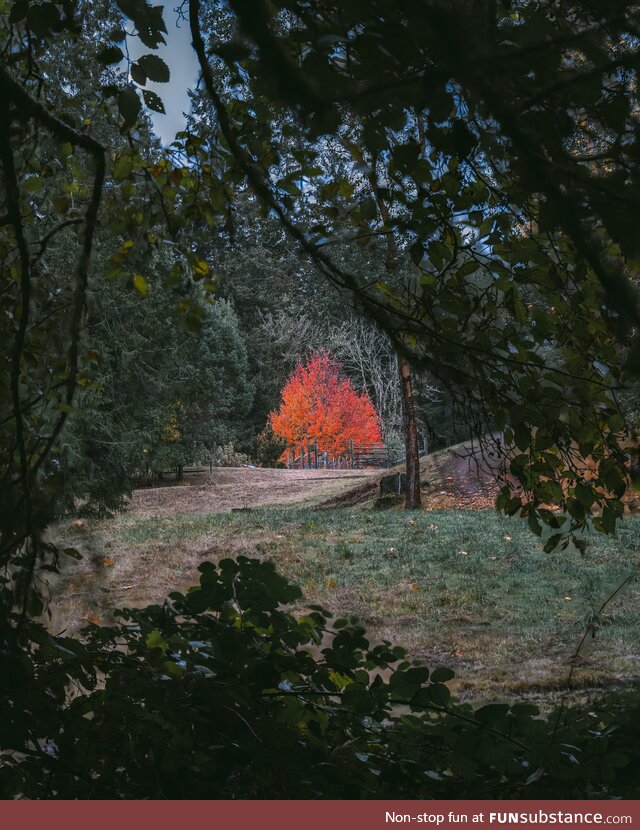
(27, 108)
(15, 217)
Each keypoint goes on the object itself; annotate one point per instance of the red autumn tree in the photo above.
(319, 401)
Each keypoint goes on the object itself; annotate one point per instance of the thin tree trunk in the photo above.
(413, 500)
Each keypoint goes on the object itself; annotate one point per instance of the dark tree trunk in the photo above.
(413, 500)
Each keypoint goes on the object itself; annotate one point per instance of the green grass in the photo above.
(469, 589)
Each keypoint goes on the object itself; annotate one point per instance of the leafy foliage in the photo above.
(222, 693)
(453, 166)
(155, 400)
(320, 403)
(488, 154)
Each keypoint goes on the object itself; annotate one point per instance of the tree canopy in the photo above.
(319, 402)
(482, 156)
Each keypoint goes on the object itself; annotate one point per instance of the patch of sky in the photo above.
(179, 56)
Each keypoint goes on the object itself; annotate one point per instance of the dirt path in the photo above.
(232, 488)
(459, 478)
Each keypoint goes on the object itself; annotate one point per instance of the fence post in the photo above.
(351, 453)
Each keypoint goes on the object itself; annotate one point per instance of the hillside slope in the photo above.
(238, 488)
(456, 477)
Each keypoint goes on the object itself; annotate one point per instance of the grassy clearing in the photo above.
(469, 589)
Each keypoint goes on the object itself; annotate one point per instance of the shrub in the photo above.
(222, 693)
(226, 456)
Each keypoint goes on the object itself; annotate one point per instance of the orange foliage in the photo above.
(319, 402)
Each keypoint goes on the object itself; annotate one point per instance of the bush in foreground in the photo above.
(221, 693)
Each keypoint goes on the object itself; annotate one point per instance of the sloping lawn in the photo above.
(469, 589)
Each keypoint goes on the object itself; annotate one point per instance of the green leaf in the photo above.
(147, 19)
(138, 74)
(18, 11)
(442, 674)
(491, 713)
(122, 166)
(617, 759)
(525, 709)
(153, 101)
(469, 267)
(416, 252)
(43, 18)
(463, 139)
(368, 209)
(581, 545)
(549, 492)
(61, 204)
(140, 284)
(33, 184)
(534, 524)
(193, 322)
(64, 151)
(155, 68)
(609, 519)
(129, 106)
(154, 639)
(172, 669)
(289, 187)
(552, 543)
(109, 55)
(200, 267)
(522, 435)
(418, 675)
(439, 694)
(72, 552)
(585, 495)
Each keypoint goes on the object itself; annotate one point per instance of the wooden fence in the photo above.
(309, 455)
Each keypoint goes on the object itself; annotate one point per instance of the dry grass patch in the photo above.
(469, 589)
